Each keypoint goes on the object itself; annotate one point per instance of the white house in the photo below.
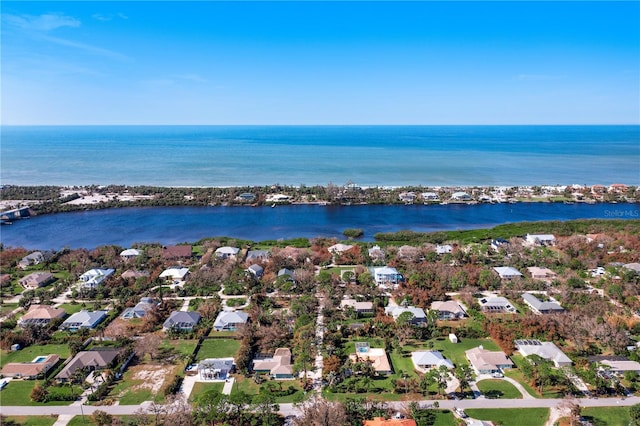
(425, 360)
(175, 274)
(34, 258)
(444, 249)
(507, 272)
(419, 317)
(227, 252)
(488, 362)
(540, 307)
(230, 320)
(449, 310)
(496, 304)
(83, 319)
(339, 248)
(386, 277)
(129, 254)
(94, 277)
(540, 239)
(545, 350)
(461, 196)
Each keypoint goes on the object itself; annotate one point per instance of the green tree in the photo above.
(634, 413)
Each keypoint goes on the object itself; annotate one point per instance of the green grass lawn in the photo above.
(218, 348)
(445, 418)
(607, 416)
(455, 351)
(34, 420)
(201, 387)
(29, 353)
(498, 389)
(18, 392)
(236, 301)
(5, 308)
(248, 386)
(516, 374)
(506, 416)
(71, 308)
(185, 347)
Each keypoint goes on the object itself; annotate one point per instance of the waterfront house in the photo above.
(41, 315)
(129, 254)
(540, 307)
(31, 370)
(175, 274)
(377, 357)
(361, 308)
(257, 256)
(496, 304)
(278, 366)
(83, 319)
(430, 197)
(425, 360)
(181, 321)
(449, 310)
(255, 270)
(507, 272)
(140, 310)
(541, 273)
(246, 197)
(444, 249)
(418, 315)
(36, 280)
(95, 359)
(181, 252)
(338, 249)
(216, 368)
(230, 320)
(94, 277)
(227, 252)
(461, 196)
(540, 239)
(31, 259)
(386, 277)
(277, 198)
(407, 197)
(545, 350)
(488, 362)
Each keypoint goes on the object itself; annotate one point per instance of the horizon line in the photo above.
(313, 124)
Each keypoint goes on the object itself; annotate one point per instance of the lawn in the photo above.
(5, 308)
(516, 374)
(236, 301)
(29, 353)
(607, 416)
(445, 418)
(71, 308)
(143, 382)
(18, 392)
(218, 348)
(506, 416)
(248, 386)
(34, 420)
(498, 389)
(201, 387)
(455, 351)
(181, 346)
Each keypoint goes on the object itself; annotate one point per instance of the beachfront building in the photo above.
(461, 196)
(129, 254)
(545, 350)
(377, 357)
(94, 277)
(31, 259)
(227, 252)
(540, 239)
(338, 249)
(246, 197)
(386, 277)
(426, 360)
(36, 280)
(540, 307)
(83, 319)
(449, 310)
(430, 197)
(488, 362)
(496, 304)
(41, 315)
(278, 366)
(507, 272)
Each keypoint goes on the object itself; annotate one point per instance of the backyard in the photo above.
(29, 353)
(218, 348)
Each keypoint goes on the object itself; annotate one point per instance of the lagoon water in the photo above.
(171, 225)
(318, 155)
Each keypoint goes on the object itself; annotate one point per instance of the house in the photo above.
(541, 273)
(488, 362)
(430, 197)
(407, 197)
(381, 421)
(255, 270)
(376, 254)
(257, 255)
(507, 272)
(408, 252)
(419, 317)
(377, 357)
(444, 249)
(94, 277)
(499, 243)
(177, 252)
(461, 196)
(129, 254)
(616, 364)
(425, 360)
(230, 320)
(36, 280)
(83, 319)
(278, 366)
(496, 304)
(31, 259)
(41, 315)
(635, 267)
(540, 239)
(288, 273)
(449, 310)
(175, 274)
(540, 307)
(216, 368)
(277, 198)
(181, 321)
(545, 350)
(227, 252)
(31, 370)
(339, 248)
(386, 277)
(95, 359)
(246, 197)
(361, 308)
(140, 310)
(132, 273)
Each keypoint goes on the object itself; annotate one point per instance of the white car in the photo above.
(497, 375)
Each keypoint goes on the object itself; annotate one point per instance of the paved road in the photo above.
(290, 409)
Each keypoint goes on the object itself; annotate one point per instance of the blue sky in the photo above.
(320, 63)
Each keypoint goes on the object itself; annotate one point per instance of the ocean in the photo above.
(172, 225)
(318, 155)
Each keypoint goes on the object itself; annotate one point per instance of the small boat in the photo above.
(273, 205)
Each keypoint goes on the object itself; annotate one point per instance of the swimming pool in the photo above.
(39, 359)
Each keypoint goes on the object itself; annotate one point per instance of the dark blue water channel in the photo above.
(171, 225)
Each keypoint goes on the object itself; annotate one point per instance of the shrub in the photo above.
(353, 232)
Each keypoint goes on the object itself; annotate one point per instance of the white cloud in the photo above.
(42, 23)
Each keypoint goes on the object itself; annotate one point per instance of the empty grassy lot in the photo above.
(218, 348)
(506, 416)
(498, 389)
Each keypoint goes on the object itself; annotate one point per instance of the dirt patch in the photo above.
(152, 377)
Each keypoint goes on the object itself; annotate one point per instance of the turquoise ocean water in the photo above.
(310, 155)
